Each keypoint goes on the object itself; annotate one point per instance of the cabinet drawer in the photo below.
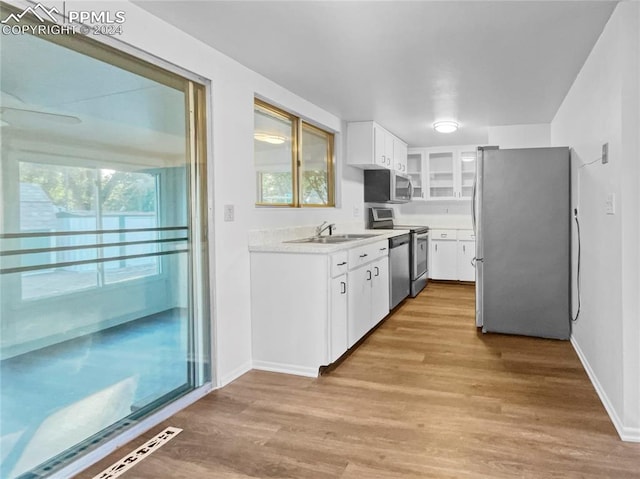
(444, 235)
(466, 235)
(381, 248)
(339, 263)
(369, 252)
(361, 255)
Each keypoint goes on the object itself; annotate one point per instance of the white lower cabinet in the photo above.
(451, 254)
(368, 290)
(380, 290)
(338, 334)
(444, 259)
(308, 309)
(360, 295)
(466, 253)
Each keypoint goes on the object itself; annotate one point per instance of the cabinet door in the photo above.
(338, 335)
(466, 252)
(441, 177)
(444, 259)
(380, 290)
(400, 156)
(388, 150)
(379, 139)
(359, 300)
(414, 170)
(467, 166)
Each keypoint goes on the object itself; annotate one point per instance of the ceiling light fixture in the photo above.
(447, 126)
(269, 138)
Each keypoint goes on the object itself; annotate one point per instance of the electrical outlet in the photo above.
(605, 153)
(356, 212)
(229, 213)
(610, 204)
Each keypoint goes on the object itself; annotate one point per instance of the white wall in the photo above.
(520, 136)
(602, 106)
(232, 172)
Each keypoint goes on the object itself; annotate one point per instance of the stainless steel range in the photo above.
(383, 218)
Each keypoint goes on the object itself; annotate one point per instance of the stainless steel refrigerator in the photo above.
(522, 218)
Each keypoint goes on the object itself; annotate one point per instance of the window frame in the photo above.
(296, 159)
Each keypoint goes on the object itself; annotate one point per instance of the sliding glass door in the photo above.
(103, 267)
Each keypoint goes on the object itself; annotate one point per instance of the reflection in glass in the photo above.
(97, 318)
(314, 168)
(273, 153)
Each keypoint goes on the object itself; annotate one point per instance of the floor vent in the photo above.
(138, 454)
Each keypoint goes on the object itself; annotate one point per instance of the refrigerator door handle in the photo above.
(473, 198)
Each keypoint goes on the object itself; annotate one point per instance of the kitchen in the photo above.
(573, 119)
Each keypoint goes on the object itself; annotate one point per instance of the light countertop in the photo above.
(323, 248)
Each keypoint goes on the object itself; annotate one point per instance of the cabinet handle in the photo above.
(436, 246)
(341, 264)
(369, 278)
(377, 270)
(343, 287)
(364, 255)
(383, 249)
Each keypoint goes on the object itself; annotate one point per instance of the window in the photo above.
(293, 160)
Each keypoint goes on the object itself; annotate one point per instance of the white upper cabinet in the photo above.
(415, 171)
(467, 162)
(441, 178)
(381, 147)
(400, 155)
(370, 146)
(450, 172)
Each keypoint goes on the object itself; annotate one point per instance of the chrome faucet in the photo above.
(322, 227)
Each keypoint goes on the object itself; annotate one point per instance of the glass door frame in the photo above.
(201, 263)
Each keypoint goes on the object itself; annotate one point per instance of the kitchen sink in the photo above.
(333, 238)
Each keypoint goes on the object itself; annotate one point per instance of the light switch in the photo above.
(228, 213)
(605, 153)
(610, 204)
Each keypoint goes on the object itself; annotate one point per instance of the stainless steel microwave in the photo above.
(386, 186)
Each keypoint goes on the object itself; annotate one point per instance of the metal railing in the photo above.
(97, 260)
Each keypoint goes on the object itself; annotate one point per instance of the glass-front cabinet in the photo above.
(450, 172)
(441, 175)
(467, 163)
(415, 171)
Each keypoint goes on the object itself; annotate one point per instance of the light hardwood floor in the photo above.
(425, 396)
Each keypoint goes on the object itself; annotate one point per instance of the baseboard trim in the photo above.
(286, 369)
(235, 374)
(143, 426)
(626, 433)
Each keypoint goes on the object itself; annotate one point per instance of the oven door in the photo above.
(420, 252)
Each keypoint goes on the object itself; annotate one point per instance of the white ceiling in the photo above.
(407, 64)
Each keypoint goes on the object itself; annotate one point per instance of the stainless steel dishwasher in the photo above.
(399, 271)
